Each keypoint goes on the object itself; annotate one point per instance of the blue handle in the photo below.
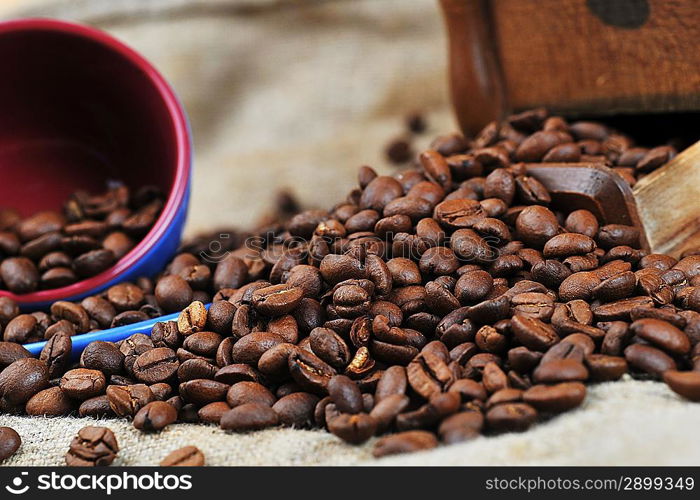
(80, 342)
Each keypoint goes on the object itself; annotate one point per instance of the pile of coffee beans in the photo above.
(435, 305)
(51, 249)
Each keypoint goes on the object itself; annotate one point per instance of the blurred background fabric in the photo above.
(279, 93)
(298, 94)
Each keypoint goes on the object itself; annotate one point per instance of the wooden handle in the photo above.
(475, 76)
(668, 202)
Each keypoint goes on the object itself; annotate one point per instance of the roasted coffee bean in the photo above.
(192, 319)
(93, 446)
(73, 313)
(614, 235)
(19, 274)
(173, 293)
(249, 392)
(82, 383)
(212, 412)
(202, 391)
(249, 417)
(296, 410)
(404, 442)
(345, 394)
(99, 309)
(11, 352)
(461, 427)
(354, 429)
(93, 262)
(127, 400)
(511, 417)
(536, 225)
(155, 416)
(125, 296)
(560, 370)
(96, 407)
(649, 359)
(188, 456)
(309, 371)
(20, 381)
(603, 367)
(277, 299)
(50, 402)
(555, 398)
(533, 333)
(155, 365)
(250, 348)
(662, 334)
(103, 356)
(10, 442)
(330, 347)
(385, 411)
(220, 316)
(687, 384)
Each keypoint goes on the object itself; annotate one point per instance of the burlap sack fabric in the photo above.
(300, 93)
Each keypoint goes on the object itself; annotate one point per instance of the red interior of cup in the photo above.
(79, 108)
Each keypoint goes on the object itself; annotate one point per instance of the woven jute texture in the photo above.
(300, 93)
(629, 422)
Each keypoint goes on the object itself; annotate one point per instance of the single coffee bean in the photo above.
(249, 417)
(103, 356)
(404, 442)
(52, 402)
(353, 429)
(687, 384)
(560, 370)
(73, 313)
(249, 392)
(555, 398)
(511, 417)
(203, 391)
(648, 359)
(93, 262)
(461, 427)
(533, 333)
(309, 371)
(99, 309)
(93, 446)
(10, 442)
(19, 274)
(277, 299)
(82, 383)
(96, 407)
(662, 334)
(603, 367)
(192, 319)
(20, 381)
(250, 348)
(11, 352)
(187, 456)
(173, 293)
(125, 296)
(156, 365)
(127, 400)
(296, 409)
(155, 416)
(345, 394)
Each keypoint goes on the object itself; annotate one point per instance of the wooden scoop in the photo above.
(664, 205)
